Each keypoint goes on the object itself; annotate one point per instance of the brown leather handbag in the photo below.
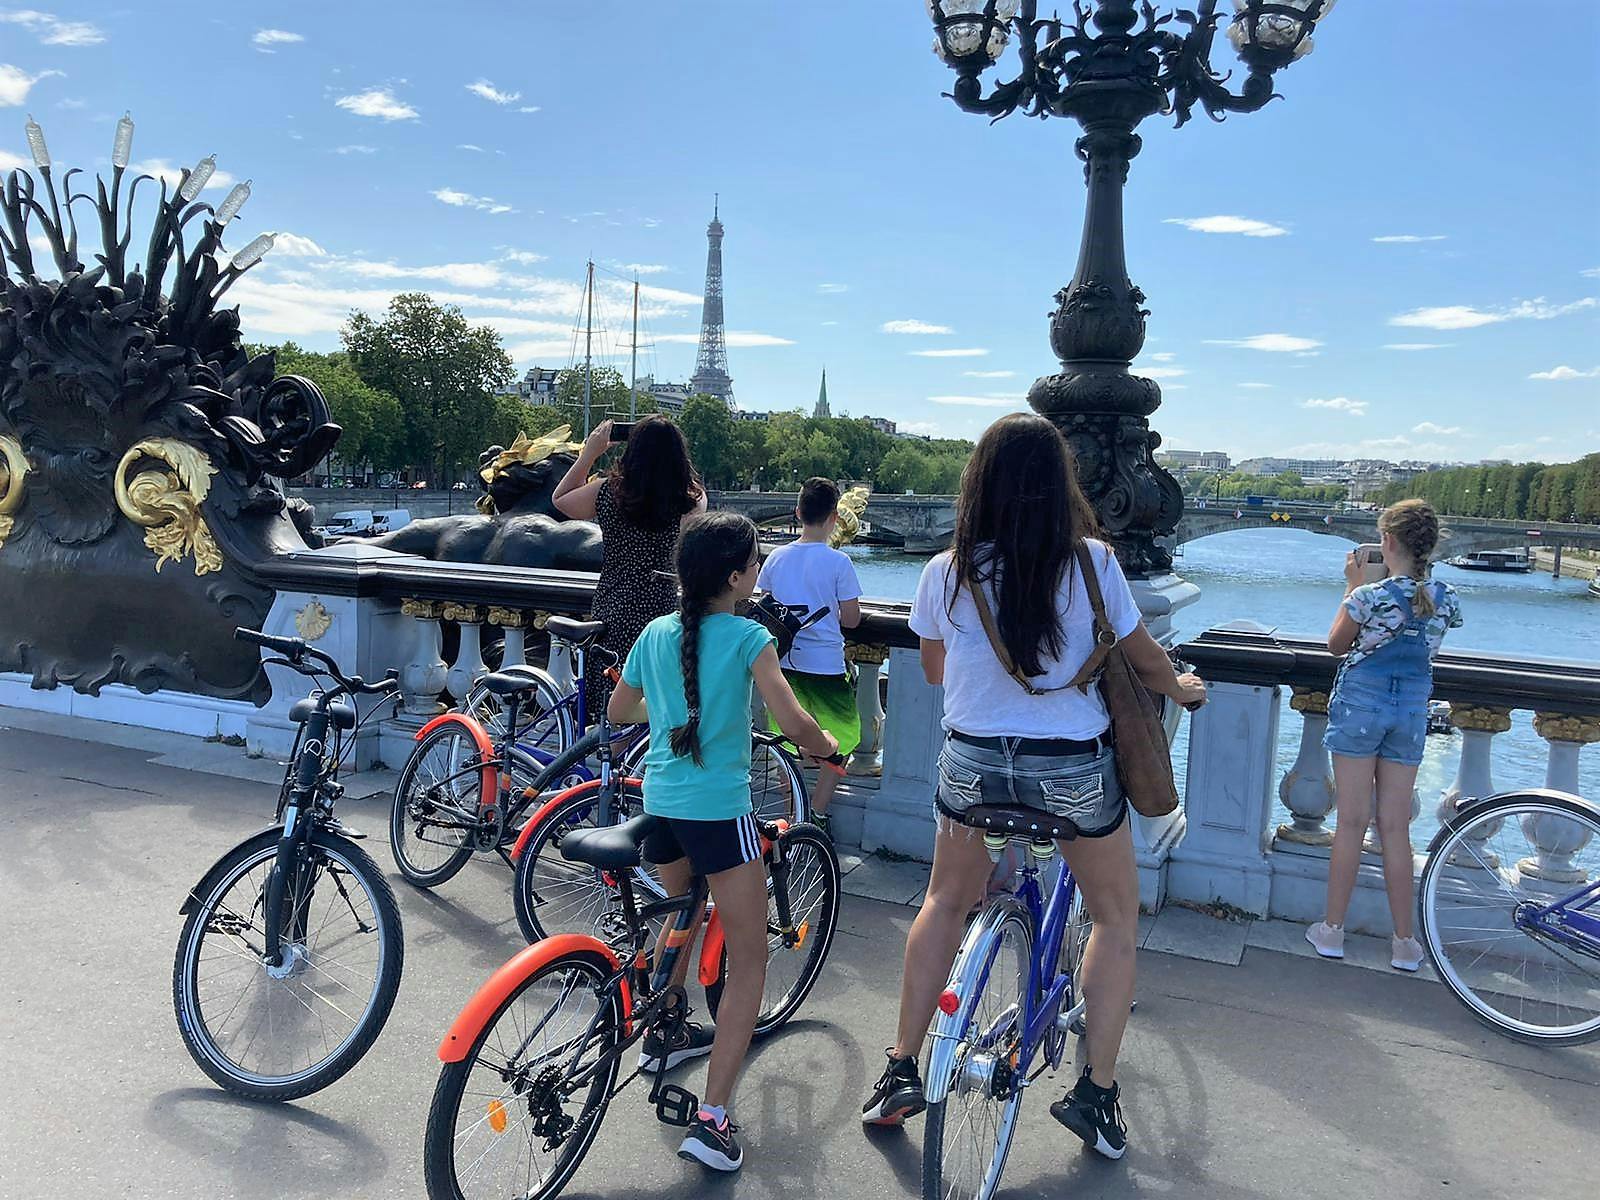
(1144, 757)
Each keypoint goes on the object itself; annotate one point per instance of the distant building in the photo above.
(822, 409)
(669, 397)
(537, 387)
(882, 424)
(1205, 460)
(741, 414)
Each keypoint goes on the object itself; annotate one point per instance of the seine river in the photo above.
(1291, 580)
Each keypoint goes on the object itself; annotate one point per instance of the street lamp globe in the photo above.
(971, 34)
(1271, 34)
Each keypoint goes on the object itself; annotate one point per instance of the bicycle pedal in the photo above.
(676, 1105)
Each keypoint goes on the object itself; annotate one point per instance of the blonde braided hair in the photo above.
(1415, 526)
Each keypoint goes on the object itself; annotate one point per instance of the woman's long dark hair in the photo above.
(1020, 515)
(710, 549)
(655, 481)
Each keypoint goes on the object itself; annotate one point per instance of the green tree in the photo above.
(904, 469)
(708, 427)
(370, 418)
(445, 373)
(818, 453)
(608, 396)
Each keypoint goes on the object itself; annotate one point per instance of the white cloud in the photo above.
(52, 31)
(970, 353)
(466, 275)
(913, 326)
(1563, 373)
(736, 339)
(355, 149)
(1225, 224)
(169, 174)
(13, 162)
(1416, 345)
(1161, 372)
(15, 84)
(989, 374)
(1356, 408)
(526, 257)
(990, 401)
(377, 102)
(470, 146)
(265, 39)
(645, 268)
(1164, 356)
(1436, 430)
(493, 94)
(1410, 238)
(1462, 316)
(292, 245)
(530, 108)
(1255, 385)
(1272, 343)
(1590, 272)
(832, 289)
(458, 199)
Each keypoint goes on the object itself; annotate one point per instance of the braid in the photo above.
(686, 737)
(1416, 526)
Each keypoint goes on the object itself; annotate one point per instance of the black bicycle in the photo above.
(290, 959)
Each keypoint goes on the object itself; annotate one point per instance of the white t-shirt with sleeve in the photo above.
(818, 576)
(980, 698)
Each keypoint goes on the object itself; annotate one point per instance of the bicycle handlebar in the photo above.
(295, 650)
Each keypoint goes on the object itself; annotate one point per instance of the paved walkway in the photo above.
(1277, 1076)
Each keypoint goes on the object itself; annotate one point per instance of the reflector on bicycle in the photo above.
(497, 1116)
(949, 1002)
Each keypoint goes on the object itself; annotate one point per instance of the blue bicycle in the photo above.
(1507, 913)
(1012, 1001)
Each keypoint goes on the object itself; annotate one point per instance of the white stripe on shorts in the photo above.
(749, 838)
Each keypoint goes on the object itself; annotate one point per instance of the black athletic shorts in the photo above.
(710, 846)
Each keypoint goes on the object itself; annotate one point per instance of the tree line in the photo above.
(1516, 492)
(1287, 485)
(421, 391)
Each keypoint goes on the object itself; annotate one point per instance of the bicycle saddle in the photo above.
(341, 713)
(576, 633)
(1032, 823)
(506, 683)
(613, 846)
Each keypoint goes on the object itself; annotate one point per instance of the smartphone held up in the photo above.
(1369, 557)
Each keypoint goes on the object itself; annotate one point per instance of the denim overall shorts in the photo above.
(1379, 706)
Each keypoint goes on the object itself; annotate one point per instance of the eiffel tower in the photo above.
(711, 363)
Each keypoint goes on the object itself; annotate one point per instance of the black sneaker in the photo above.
(897, 1096)
(1095, 1115)
(689, 1040)
(823, 822)
(712, 1145)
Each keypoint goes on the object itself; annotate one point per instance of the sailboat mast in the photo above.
(588, 349)
(633, 384)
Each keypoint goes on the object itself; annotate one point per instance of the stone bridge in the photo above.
(925, 523)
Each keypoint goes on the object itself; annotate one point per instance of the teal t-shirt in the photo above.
(719, 788)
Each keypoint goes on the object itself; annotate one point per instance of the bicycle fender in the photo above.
(1472, 807)
(267, 837)
(971, 968)
(711, 950)
(486, 786)
(531, 826)
(483, 1006)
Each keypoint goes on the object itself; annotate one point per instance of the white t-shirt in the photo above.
(818, 576)
(980, 698)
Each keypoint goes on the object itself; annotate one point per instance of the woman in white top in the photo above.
(1020, 518)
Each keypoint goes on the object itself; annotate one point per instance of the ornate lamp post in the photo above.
(1133, 67)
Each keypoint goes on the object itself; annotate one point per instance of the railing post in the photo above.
(1306, 789)
(1557, 840)
(899, 816)
(469, 662)
(558, 663)
(422, 677)
(1478, 725)
(512, 623)
(869, 660)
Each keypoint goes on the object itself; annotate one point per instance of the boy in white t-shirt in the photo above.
(812, 573)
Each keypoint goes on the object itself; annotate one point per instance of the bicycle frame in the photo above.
(1045, 991)
(1567, 920)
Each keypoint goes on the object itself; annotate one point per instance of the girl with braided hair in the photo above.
(1388, 633)
(689, 674)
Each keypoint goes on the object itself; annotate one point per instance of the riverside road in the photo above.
(1279, 1077)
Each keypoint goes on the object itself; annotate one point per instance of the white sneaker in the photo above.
(1328, 939)
(1407, 954)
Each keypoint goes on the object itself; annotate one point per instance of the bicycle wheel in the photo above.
(552, 895)
(435, 809)
(1478, 902)
(969, 1131)
(281, 1033)
(544, 720)
(777, 785)
(516, 1116)
(813, 887)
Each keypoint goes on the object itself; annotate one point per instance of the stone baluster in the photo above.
(514, 624)
(559, 663)
(1556, 840)
(422, 677)
(1306, 789)
(469, 662)
(1478, 725)
(868, 756)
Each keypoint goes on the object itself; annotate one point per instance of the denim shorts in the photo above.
(1370, 723)
(1083, 788)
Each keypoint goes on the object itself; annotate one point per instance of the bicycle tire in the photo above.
(543, 875)
(545, 724)
(802, 842)
(1452, 851)
(408, 806)
(1006, 919)
(778, 789)
(439, 1141)
(198, 1038)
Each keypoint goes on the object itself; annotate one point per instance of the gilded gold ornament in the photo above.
(526, 451)
(13, 473)
(866, 652)
(313, 621)
(1304, 700)
(166, 504)
(851, 505)
(1479, 718)
(1567, 727)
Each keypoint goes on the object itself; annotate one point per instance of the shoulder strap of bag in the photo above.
(1105, 637)
(992, 632)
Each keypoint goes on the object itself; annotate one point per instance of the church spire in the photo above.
(822, 398)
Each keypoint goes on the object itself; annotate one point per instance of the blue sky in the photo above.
(1427, 180)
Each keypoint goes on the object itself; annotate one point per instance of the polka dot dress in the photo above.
(630, 594)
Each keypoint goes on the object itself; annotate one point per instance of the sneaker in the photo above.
(1095, 1115)
(823, 822)
(712, 1145)
(688, 1040)
(1328, 939)
(1407, 954)
(897, 1096)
